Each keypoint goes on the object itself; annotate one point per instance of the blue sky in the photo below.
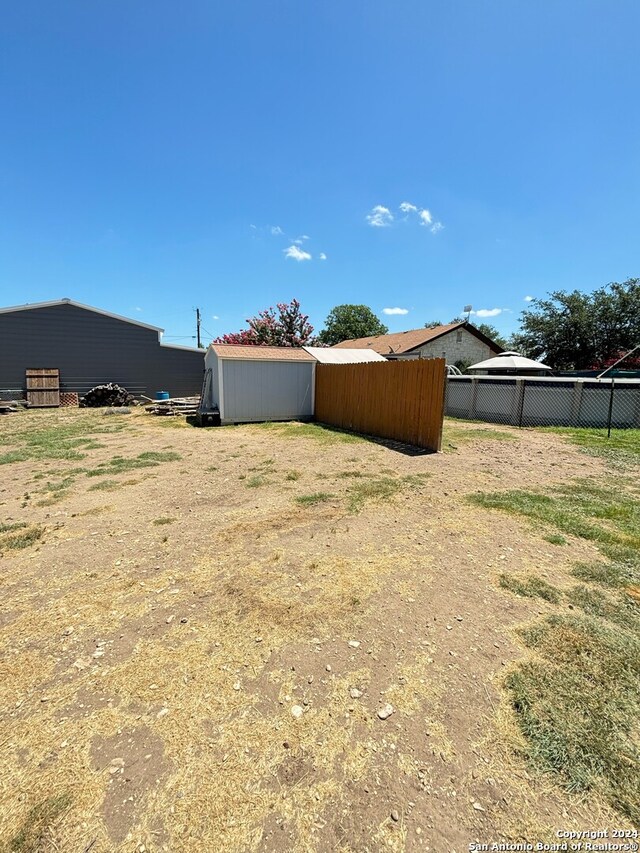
(158, 156)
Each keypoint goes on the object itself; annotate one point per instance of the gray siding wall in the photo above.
(266, 390)
(90, 348)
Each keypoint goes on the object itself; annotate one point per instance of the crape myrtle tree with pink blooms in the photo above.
(282, 326)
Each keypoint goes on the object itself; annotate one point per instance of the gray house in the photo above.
(89, 347)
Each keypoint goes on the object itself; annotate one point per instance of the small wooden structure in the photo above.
(43, 387)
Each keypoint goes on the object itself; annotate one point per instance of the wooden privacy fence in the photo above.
(402, 400)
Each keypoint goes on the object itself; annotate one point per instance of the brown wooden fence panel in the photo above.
(43, 386)
(402, 400)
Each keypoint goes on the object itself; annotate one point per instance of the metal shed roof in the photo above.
(258, 353)
(333, 355)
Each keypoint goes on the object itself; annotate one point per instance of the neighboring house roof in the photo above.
(333, 355)
(257, 353)
(510, 361)
(399, 343)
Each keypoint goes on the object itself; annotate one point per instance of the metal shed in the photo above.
(249, 384)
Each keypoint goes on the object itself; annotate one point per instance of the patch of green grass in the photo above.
(621, 450)
(577, 699)
(164, 520)
(379, 489)
(12, 525)
(318, 432)
(21, 537)
(614, 574)
(41, 439)
(14, 456)
(577, 702)
(376, 489)
(119, 464)
(606, 515)
(595, 602)
(37, 824)
(111, 485)
(555, 539)
(314, 498)
(530, 587)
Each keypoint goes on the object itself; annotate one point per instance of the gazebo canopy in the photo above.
(509, 361)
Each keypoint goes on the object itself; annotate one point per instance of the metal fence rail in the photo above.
(526, 402)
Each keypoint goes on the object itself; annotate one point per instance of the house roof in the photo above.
(258, 353)
(403, 342)
(31, 305)
(333, 355)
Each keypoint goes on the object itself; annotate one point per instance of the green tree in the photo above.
(345, 322)
(490, 331)
(578, 331)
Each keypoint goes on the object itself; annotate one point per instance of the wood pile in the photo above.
(106, 395)
(174, 406)
(8, 407)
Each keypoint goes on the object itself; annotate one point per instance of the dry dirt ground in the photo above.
(193, 660)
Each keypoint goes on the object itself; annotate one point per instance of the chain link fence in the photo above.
(529, 402)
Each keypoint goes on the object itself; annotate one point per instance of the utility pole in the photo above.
(198, 328)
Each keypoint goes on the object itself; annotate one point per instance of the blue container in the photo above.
(162, 395)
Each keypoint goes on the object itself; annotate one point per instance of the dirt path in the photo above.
(193, 659)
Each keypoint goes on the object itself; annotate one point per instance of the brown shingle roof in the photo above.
(261, 353)
(400, 342)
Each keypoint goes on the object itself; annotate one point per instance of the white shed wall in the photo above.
(266, 390)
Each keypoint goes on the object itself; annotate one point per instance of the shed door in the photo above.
(43, 386)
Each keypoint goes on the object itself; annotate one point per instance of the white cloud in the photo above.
(322, 256)
(489, 312)
(276, 230)
(528, 299)
(380, 217)
(437, 226)
(215, 317)
(395, 310)
(407, 207)
(296, 254)
(425, 217)
(138, 309)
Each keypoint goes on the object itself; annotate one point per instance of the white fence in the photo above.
(553, 401)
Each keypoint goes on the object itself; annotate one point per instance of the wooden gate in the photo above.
(402, 400)
(43, 387)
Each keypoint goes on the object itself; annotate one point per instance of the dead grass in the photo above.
(212, 638)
